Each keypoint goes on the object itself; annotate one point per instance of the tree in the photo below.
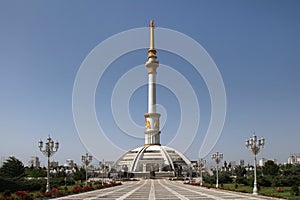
(240, 171)
(290, 175)
(270, 168)
(12, 169)
(35, 172)
(11, 175)
(79, 174)
(224, 177)
(209, 179)
(270, 174)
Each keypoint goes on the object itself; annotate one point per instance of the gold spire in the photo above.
(152, 34)
(151, 51)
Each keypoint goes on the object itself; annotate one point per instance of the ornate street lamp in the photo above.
(102, 168)
(201, 164)
(217, 157)
(255, 146)
(50, 149)
(87, 159)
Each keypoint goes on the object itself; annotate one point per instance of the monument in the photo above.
(152, 156)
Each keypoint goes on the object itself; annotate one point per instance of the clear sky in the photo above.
(254, 44)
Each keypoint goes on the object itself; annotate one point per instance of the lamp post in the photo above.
(217, 157)
(201, 164)
(86, 159)
(48, 151)
(102, 167)
(255, 145)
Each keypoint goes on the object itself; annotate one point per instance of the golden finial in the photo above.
(152, 23)
(151, 51)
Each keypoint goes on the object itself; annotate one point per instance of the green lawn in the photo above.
(267, 191)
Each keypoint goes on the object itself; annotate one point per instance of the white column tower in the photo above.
(152, 132)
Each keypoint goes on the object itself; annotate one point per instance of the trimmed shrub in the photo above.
(295, 190)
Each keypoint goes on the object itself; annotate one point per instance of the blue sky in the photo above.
(255, 45)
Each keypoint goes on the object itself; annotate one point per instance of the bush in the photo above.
(295, 190)
(242, 180)
(24, 195)
(76, 189)
(7, 193)
(8, 185)
(264, 181)
(34, 184)
(209, 179)
(21, 185)
(224, 177)
(56, 182)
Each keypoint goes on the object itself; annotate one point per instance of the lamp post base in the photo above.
(48, 188)
(255, 190)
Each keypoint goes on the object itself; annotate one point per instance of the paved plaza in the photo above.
(160, 189)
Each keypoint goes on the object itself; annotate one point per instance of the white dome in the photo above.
(152, 157)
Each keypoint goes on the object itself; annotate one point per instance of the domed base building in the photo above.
(152, 157)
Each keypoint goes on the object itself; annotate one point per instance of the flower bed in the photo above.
(55, 192)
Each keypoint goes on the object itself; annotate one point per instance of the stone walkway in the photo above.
(153, 189)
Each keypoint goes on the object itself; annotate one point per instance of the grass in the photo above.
(240, 188)
(285, 192)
